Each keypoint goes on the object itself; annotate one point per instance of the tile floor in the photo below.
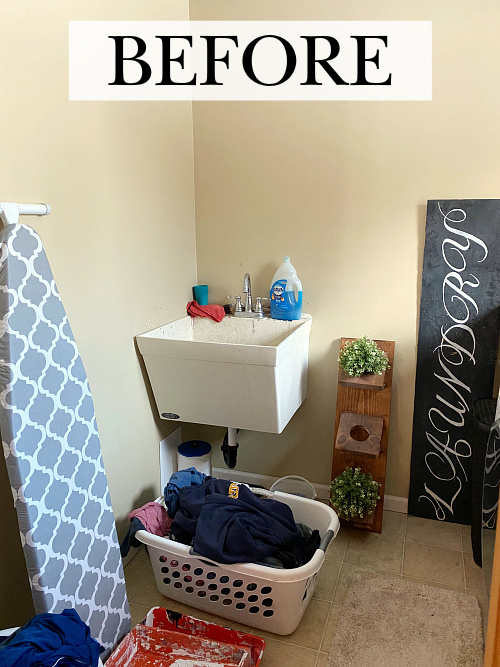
(416, 549)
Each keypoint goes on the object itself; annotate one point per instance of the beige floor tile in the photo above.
(137, 573)
(280, 654)
(374, 552)
(150, 596)
(434, 533)
(488, 539)
(142, 554)
(444, 566)
(141, 561)
(322, 660)
(347, 531)
(435, 584)
(351, 573)
(337, 547)
(331, 626)
(137, 613)
(473, 574)
(309, 632)
(481, 597)
(327, 580)
(466, 543)
(484, 604)
(394, 525)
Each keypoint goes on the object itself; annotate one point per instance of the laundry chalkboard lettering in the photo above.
(457, 349)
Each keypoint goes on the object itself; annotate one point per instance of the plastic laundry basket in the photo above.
(299, 486)
(259, 596)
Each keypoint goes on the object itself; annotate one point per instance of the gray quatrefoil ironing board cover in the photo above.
(52, 448)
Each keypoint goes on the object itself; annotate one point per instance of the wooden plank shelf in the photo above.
(367, 381)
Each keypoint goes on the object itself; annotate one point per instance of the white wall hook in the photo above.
(10, 211)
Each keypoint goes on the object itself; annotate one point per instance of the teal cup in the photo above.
(200, 293)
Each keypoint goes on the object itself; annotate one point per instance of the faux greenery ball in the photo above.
(362, 356)
(353, 493)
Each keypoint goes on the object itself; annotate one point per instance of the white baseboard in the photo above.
(391, 503)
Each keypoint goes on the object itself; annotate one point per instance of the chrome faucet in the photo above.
(247, 309)
(247, 289)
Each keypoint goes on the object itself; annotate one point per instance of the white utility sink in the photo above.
(241, 373)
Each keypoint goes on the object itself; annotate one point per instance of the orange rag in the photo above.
(214, 312)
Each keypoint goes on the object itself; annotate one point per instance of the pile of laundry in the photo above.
(226, 522)
(51, 639)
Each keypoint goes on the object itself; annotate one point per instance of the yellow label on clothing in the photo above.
(234, 490)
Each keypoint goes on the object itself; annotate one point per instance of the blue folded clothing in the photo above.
(51, 639)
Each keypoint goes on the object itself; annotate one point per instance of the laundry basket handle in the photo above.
(327, 538)
(295, 478)
(262, 492)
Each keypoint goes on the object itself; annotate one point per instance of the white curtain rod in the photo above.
(10, 211)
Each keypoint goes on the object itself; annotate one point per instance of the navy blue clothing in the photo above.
(191, 501)
(229, 524)
(297, 552)
(130, 540)
(184, 478)
(50, 639)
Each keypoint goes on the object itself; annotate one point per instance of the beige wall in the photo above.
(342, 188)
(121, 237)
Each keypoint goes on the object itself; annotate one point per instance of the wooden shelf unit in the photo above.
(374, 403)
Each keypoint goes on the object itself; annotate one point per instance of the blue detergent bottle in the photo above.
(286, 293)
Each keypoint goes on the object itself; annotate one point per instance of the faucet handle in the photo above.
(258, 303)
(237, 304)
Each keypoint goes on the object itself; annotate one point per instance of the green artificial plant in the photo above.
(353, 493)
(362, 356)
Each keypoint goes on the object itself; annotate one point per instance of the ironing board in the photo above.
(52, 448)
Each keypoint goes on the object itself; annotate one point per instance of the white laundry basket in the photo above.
(259, 596)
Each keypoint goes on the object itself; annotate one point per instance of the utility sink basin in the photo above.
(240, 373)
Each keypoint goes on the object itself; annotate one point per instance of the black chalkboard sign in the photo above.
(457, 350)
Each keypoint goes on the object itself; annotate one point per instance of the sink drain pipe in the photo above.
(230, 447)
